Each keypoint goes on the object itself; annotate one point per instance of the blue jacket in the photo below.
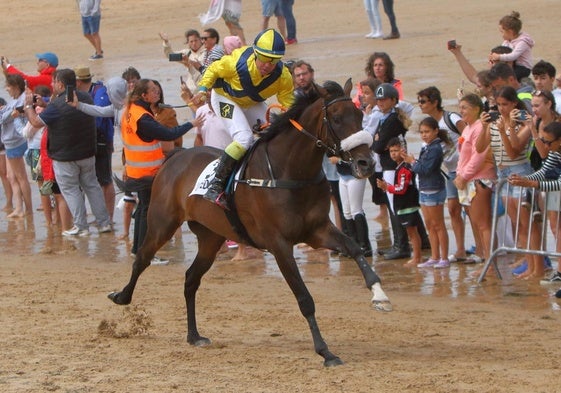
(104, 125)
(427, 167)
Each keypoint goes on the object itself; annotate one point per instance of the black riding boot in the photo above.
(361, 226)
(349, 230)
(215, 190)
(401, 247)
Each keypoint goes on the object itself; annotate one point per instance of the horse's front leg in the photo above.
(209, 244)
(287, 264)
(332, 238)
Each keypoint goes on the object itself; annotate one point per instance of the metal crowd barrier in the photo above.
(536, 202)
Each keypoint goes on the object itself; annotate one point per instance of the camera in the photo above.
(20, 109)
(70, 93)
(493, 115)
(451, 44)
(522, 115)
(176, 57)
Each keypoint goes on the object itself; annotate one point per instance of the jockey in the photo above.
(240, 85)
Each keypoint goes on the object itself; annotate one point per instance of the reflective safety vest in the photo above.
(141, 158)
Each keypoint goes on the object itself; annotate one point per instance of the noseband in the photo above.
(334, 150)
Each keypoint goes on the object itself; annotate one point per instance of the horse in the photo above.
(281, 199)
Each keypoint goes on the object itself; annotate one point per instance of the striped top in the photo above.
(549, 175)
(499, 152)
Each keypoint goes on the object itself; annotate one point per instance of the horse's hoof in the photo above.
(336, 361)
(382, 305)
(200, 342)
(117, 298)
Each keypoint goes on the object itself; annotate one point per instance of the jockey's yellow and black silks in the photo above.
(238, 78)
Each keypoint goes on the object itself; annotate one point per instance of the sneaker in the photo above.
(442, 264)
(474, 259)
(392, 36)
(552, 279)
(75, 231)
(453, 258)
(96, 56)
(520, 268)
(159, 261)
(231, 244)
(105, 229)
(429, 263)
(547, 263)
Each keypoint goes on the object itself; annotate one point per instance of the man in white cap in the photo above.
(46, 64)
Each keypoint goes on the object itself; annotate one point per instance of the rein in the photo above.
(332, 150)
(293, 184)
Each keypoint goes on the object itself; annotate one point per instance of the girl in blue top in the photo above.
(432, 187)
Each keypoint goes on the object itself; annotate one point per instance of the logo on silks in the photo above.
(226, 110)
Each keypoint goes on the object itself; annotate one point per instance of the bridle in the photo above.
(335, 149)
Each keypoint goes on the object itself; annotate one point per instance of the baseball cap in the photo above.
(386, 90)
(50, 57)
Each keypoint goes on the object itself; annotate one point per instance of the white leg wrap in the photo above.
(380, 301)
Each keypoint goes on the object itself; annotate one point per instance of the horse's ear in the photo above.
(348, 87)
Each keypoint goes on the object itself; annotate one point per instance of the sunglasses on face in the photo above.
(422, 101)
(265, 59)
(546, 142)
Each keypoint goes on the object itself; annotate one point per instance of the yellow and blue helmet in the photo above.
(269, 43)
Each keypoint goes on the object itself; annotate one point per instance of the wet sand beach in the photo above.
(60, 333)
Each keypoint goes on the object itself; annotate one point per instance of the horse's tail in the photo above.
(120, 183)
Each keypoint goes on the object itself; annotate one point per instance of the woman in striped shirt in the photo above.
(548, 179)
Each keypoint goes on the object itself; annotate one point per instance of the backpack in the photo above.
(449, 123)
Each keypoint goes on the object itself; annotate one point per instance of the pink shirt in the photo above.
(473, 165)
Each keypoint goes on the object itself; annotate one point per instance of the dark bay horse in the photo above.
(293, 209)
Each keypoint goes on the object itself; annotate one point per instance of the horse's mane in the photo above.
(329, 91)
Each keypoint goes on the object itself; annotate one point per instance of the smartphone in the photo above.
(175, 56)
(181, 80)
(20, 109)
(522, 115)
(493, 115)
(451, 44)
(70, 93)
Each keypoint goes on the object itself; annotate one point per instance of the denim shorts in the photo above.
(438, 198)
(17, 152)
(521, 169)
(90, 24)
(451, 189)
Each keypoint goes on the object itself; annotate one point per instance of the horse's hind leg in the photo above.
(287, 264)
(209, 244)
(334, 239)
(161, 228)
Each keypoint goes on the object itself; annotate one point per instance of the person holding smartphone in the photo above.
(508, 140)
(12, 122)
(72, 146)
(192, 55)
